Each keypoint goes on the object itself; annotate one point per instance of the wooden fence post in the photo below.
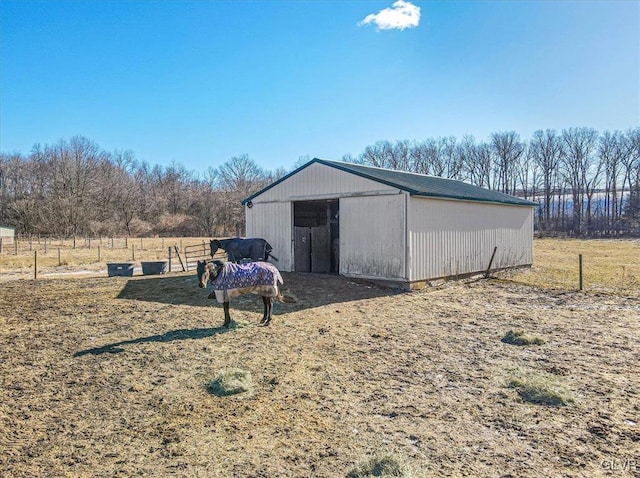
(0, 245)
(169, 258)
(180, 258)
(59, 260)
(580, 270)
(486, 274)
(35, 265)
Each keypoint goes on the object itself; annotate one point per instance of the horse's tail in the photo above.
(267, 252)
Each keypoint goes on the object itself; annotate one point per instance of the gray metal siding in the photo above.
(450, 238)
(372, 237)
(273, 222)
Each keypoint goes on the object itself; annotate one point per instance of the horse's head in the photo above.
(203, 274)
(208, 271)
(214, 245)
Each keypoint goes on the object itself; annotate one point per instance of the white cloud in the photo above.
(400, 16)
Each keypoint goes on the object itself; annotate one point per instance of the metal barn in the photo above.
(399, 228)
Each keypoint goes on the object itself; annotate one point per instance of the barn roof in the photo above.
(413, 183)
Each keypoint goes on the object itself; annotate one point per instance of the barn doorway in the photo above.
(316, 226)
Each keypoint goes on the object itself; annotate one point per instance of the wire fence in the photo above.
(90, 252)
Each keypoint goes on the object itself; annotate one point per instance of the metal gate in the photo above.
(198, 252)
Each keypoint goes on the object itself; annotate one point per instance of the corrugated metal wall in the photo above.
(273, 222)
(372, 236)
(449, 238)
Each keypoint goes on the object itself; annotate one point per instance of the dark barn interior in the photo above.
(316, 236)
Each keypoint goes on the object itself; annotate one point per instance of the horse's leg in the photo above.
(264, 315)
(268, 303)
(227, 317)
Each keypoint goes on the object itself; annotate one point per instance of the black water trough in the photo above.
(120, 269)
(154, 267)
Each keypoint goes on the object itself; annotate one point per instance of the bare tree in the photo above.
(18, 201)
(208, 205)
(175, 180)
(376, 155)
(418, 157)
(508, 151)
(238, 178)
(631, 166)
(74, 168)
(577, 163)
(477, 159)
(546, 150)
(526, 172)
(442, 157)
(123, 194)
(398, 156)
(612, 149)
(432, 161)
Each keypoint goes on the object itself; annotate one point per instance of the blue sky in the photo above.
(197, 82)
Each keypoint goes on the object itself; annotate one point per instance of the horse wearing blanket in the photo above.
(231, 280)
(256, 249)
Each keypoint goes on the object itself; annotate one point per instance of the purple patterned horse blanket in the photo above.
(261, 278)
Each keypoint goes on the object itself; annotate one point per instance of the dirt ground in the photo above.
(107, 377)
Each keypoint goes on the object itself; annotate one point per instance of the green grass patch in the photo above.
(378, 465)
(518, 337)
(231, 382)
(542, 390)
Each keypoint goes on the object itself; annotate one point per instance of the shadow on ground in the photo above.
(301, 291)
(181, 334)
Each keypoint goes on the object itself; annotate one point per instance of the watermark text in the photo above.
(621, 464)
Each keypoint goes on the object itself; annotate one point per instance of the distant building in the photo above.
(7, 234)
(391, 226)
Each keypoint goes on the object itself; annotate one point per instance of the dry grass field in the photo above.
(60, 256)
(104, 377)
(609, 265)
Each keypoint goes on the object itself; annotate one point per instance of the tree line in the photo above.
(586, 183)
(75, 188)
